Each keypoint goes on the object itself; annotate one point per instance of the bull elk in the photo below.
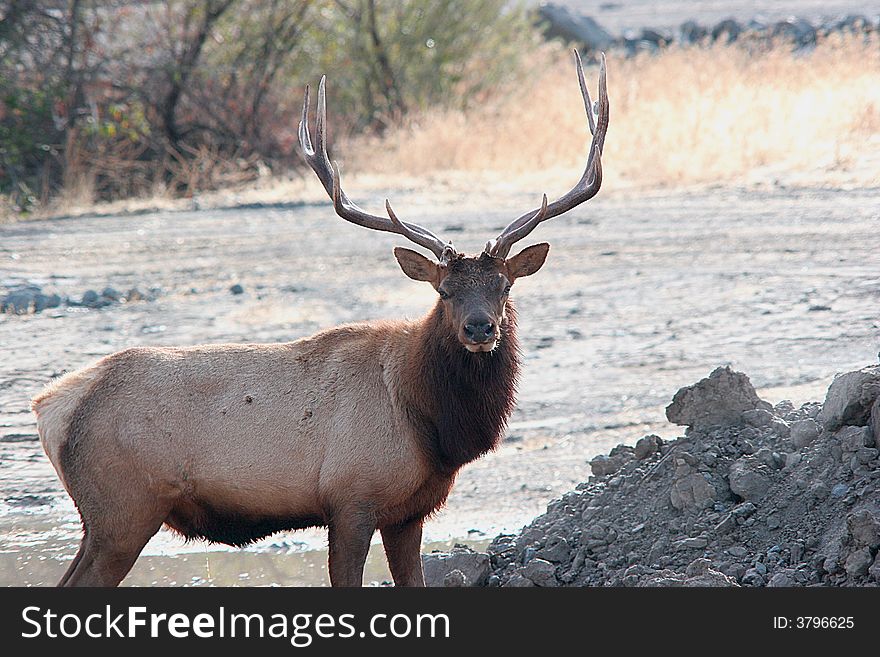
(357, 428)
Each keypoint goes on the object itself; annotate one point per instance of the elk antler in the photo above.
(587, 186)
(329, 176)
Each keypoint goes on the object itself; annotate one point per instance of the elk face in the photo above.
(473, 290)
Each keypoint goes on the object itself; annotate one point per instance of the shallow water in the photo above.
(39, 552)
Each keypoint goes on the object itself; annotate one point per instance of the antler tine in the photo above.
(328, 174)
(585, 93)
(411, 232)
(585, 189)
(527, 227)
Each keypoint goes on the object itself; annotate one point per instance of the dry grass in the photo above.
(680, 118)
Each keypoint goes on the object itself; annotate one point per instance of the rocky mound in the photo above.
(752, 495)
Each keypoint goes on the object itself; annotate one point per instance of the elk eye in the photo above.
(506, 290)
(443, 294)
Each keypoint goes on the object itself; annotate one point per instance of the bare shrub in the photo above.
(102, 101)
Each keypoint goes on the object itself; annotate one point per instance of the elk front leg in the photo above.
(350, 533)
(403, 547)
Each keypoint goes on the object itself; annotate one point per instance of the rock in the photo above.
(864, 527)
(803, 432)
(700, 572)
(668, 578)
(874, 570)
(852, 23)
(753, 578)
(697, 567)
(693, 543)
(858, 562)
(19, 302)
(560, 22)
(455, 579)
(769, 458)
(42, 302)
(831, 564)
(27, 299)
(710, 578)
(558, 552)
(634, 45)
(91, 299)
(518, 581)
(647, 447)
(691, 32)
(111, 294)
(749, 479)
(692, 491)
(540, 572)
(635, 574)
(134, 294)
(737, 551)
(797, 30)
(654, 37)
(727, 30)
(757, 417)
(783, 578)
(783, 408)
(604, 465)
(852, 439)
(236, 289)
(474, 566)
(719, 400)
(755, 26)
(866, 455)
(850, 398)
(664, 579)
(874, 423)
(819, 490)
(839, 490)
(728, 524)
(744, 510)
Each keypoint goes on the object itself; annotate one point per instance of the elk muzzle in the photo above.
(479, 333)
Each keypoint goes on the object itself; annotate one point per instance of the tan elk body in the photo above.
(357, 428)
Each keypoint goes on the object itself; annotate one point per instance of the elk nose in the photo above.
(480, 331)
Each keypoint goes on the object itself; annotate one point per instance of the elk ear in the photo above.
(527, 261)
(417, 266)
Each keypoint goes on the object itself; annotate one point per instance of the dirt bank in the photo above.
(752, 495)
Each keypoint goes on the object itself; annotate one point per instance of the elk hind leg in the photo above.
(75, 563)
(109, 550)
(120, 512)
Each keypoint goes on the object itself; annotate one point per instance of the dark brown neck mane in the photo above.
(462, 400)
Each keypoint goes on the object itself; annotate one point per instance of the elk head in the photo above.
(473, 289)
